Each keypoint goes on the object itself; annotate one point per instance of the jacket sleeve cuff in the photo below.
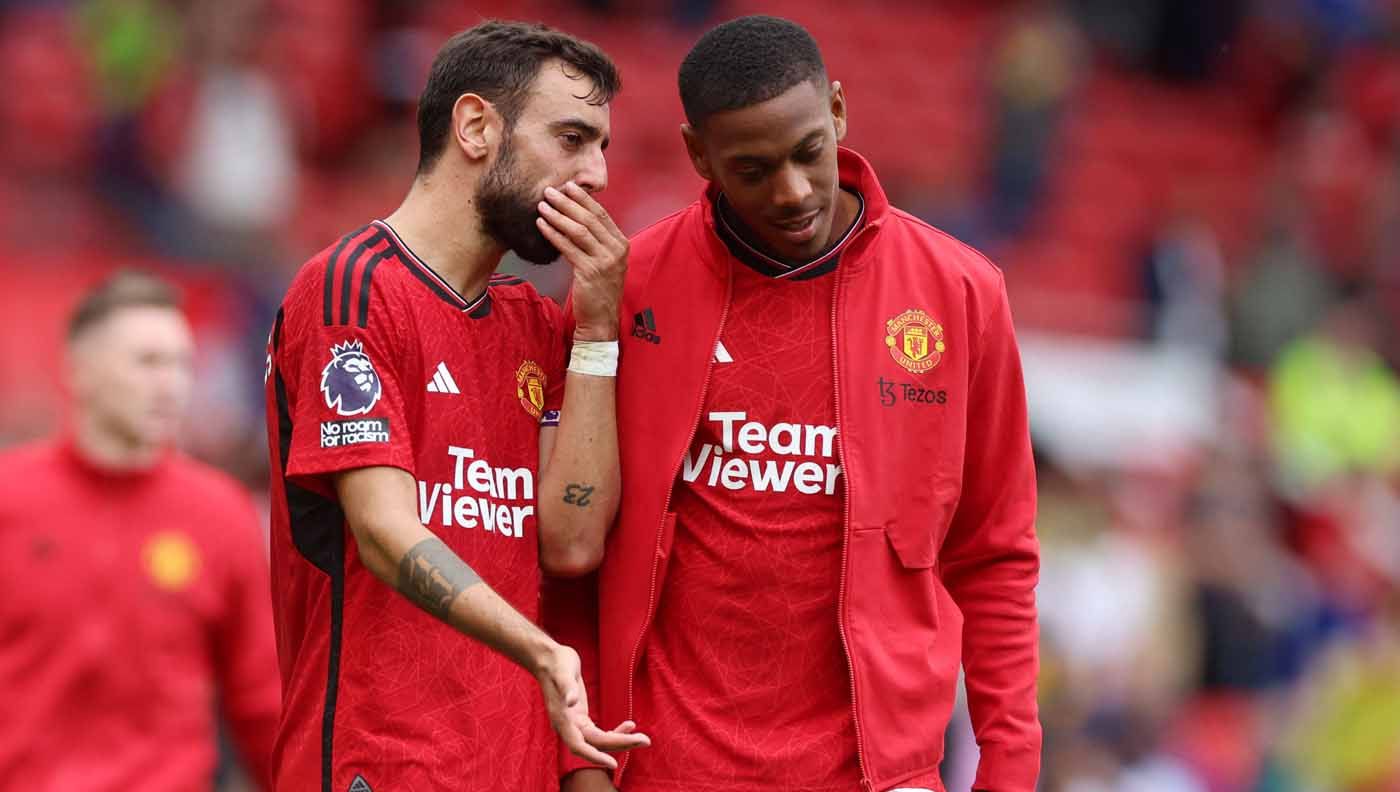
(1007, 770)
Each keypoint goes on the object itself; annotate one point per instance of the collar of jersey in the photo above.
(477, 308)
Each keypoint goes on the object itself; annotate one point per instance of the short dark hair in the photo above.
(498, 61)
(746, 61)
(123, 289)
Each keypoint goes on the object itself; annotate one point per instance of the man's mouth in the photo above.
(801, 229)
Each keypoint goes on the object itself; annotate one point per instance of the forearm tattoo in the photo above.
(432, 576)
(578, 494)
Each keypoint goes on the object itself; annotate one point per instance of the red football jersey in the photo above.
(375, 360)
(743, 681)
(133, 600)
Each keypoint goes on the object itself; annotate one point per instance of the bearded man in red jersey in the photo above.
(830, 493)
(135, 577)
(429, 460)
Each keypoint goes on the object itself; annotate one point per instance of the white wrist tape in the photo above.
(598, 358)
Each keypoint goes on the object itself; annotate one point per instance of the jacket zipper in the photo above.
(865, 784)
(665, 508)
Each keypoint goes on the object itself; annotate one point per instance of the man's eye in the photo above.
(809, 155)
(572, 140)
(750, 176)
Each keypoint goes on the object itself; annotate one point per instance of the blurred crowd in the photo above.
(1197, 204)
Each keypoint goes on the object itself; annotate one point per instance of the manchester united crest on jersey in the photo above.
(171, 560)
(529, 387)
(915, 341)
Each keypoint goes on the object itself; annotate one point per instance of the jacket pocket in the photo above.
(913, 544)
(917, 539)
(904, 687)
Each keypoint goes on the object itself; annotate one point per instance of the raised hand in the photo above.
(583, 232)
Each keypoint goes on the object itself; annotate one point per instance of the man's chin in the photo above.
(538, 252)
(537, 258)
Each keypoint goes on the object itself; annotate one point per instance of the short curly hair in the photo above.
(744, 62)
(499, 61)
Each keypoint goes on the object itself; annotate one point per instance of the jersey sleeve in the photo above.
(345, 402)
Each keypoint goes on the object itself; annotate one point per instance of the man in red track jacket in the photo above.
(135, 584)
(829, 492)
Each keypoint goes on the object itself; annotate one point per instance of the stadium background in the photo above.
(1196, 204)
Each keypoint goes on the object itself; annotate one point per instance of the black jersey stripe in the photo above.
(363, 313)
(348, 274)
(318, 532)
(277, 329)
(333, 665)
(330, 276)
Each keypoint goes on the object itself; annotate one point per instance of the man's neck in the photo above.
(432, 222)
(107, 450)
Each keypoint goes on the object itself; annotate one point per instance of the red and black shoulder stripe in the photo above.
(349, 270)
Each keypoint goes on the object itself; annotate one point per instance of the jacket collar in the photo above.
(854, 173)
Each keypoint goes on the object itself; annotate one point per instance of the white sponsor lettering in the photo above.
(473, 498)
(808, 476)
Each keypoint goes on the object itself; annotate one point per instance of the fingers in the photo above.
(616, 740)
(581, 236)
(578, 214)
(579, 747)
(562, 243)
(585, 199)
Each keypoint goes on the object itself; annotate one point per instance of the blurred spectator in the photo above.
(1185, 274)
(1336, 403)
(1256, 610)
(1282, 292)
(1034, 69)
(221, 139)
(1346, 733)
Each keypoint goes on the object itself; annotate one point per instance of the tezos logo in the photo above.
(348, 382)
(891, 392)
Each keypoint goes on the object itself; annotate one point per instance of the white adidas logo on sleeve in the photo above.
(442, 381)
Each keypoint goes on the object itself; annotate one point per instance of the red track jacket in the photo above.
(940, 557)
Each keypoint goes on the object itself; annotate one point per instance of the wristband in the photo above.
(598, 358)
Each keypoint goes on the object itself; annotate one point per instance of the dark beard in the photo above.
(508, 211)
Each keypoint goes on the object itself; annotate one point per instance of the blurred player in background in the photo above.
(135, 581)
(830, 491)
(414, 417)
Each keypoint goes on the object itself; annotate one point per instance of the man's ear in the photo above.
(696, 150)
(838, 109)
(475, 126)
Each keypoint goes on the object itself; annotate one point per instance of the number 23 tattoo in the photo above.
(578, 494)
